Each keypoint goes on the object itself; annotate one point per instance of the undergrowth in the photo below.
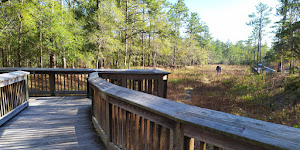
(274, 98)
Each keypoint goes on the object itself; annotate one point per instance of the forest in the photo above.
(122, 34)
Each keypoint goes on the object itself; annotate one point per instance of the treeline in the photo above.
(286, 48)
(111, 33)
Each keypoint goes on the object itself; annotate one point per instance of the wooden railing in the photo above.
(13, 94)
(128, 119)
(58, 81)
(148, 81)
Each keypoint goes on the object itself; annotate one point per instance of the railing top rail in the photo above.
(12, 77)
(260, 133)
(119, 71)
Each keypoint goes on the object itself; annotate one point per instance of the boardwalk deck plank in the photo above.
(52, 123)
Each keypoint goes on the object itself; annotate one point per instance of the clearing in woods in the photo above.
(274, 98)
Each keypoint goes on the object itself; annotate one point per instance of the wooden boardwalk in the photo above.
(52, 123)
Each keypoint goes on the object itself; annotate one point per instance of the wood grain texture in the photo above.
(12, 77)
(238, 129)
(52, 123)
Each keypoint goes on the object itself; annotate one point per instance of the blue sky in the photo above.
(227, 19)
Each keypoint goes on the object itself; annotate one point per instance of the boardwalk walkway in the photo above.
(52, 123)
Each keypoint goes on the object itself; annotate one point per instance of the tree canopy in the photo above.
(120, 34)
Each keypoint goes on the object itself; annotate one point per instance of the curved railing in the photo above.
(128, 119)
(13, 94)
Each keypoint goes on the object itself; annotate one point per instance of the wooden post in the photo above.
(189, 143)
(93, 101)
(165, 89)
(87, 87)
(160, 90)
(52, 83)
(26, 88)
(178, 137)
(108, 120)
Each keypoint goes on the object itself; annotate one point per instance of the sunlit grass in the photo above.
(273, 98)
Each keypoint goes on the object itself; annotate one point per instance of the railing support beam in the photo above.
(52, 83)
(178, 138)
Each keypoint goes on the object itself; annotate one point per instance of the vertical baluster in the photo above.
(42, 75)
(140, 85)
(167, 142)
(34, 82)
(46, 81)
(116, 125)
(113, 123)
(150, 86)
(142, 138)
(78, 82)
(57, 82)
(38, 80)
(120, 127)
(155, 88)
(64, 82)
(160, 137)
(134, 84)
(146, 86)
(103, 112)
(30, 79)
(71, 75)
(70, 82)
(132, 131)
(202, 145)
(4, 91)
(130, 84)
(127, 129)
(189, 143)
(154, 130)
(124, 137)
(1, 100)
(147, 134)
(137, 127)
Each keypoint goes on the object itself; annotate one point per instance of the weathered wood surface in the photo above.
(52, 123)
(220, 129)
(12, 77)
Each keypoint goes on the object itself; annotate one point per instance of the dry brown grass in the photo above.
(236, 91)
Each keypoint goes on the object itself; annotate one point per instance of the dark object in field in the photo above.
(219, 69)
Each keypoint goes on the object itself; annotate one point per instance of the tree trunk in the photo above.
(149, 46)
(52, 60)
(52, 54)
(41, 48)
(126, 42)
(19, 42)
(149, 58)
(3, 57)
(154, 53)
(64, 61)
(281, 61)
(129, 53)
(143, 48)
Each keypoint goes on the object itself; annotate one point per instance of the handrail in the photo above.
(54, 81)
(130, 119)
(13, 94)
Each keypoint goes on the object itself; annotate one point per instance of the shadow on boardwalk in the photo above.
(52, 123)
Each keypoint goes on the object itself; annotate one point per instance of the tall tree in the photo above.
(259, 21)
(178, 14)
